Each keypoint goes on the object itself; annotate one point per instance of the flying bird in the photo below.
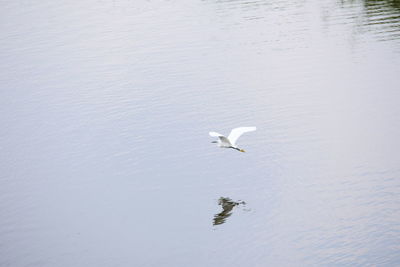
(230, 141)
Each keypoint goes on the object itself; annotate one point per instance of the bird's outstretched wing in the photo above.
(223, 139)
(237, 132)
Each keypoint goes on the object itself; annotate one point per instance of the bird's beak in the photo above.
(241, 150)
(214, 142)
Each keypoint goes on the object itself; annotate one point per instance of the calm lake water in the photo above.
(105, 109)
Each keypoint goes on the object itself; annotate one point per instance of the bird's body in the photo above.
(230, 141)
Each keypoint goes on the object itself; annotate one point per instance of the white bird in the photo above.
(230, 142)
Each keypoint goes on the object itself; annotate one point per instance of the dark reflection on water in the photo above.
(388, 5)
(380, 17)
(383, 16)
(227, 205)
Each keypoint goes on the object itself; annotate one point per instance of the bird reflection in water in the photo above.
(227, 205)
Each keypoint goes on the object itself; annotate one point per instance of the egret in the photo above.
(230, 141)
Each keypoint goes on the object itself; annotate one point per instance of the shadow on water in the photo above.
(227, 205)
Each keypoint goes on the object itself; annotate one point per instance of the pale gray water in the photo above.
(105, 109)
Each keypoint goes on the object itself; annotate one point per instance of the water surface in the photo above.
(105, 109)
